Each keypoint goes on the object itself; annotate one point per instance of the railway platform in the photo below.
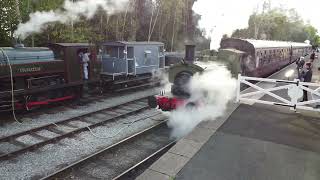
(251, 142)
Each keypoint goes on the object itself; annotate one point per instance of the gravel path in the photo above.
(28, 123)
(33, 165)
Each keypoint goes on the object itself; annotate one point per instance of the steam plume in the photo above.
(71, 11)
(215, 88)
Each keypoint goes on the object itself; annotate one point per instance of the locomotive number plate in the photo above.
(31, 69)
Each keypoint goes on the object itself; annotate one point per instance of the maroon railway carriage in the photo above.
(262, 57)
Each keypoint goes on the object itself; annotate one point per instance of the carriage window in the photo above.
(161, 49)
(121, 52)
(112, 51)
(130, 53)
(147, 56)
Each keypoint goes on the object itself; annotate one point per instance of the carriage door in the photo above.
(131, 60)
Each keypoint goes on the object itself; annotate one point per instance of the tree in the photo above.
(171, 22)
(277, 24)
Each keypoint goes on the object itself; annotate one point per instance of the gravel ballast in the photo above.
(30, 123)
(44, 161)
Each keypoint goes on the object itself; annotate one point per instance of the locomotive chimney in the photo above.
(190, 53)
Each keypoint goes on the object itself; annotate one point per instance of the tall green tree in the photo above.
(168, 21)
(278, 24)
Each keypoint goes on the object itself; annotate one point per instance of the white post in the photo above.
(238, 88)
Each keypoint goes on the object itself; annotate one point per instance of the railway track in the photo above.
(118, 160)
(51, 133)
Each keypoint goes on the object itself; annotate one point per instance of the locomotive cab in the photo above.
(71, 55)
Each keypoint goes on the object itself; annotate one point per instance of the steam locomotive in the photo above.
(256, 58)
(32, 77)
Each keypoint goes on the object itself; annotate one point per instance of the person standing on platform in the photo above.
(306, 77)
(300, 64)
(312, 56)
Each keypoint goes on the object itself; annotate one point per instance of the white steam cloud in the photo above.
(214, 89)
(71, 11)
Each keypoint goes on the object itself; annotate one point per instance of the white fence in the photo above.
(291, 98)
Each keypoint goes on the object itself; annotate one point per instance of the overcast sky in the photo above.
(224, 16)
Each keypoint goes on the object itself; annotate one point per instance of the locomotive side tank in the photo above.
(31, 61)
(41, 76)
(33, 73)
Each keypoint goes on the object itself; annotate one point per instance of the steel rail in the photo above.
(72, 132)
(87, 159)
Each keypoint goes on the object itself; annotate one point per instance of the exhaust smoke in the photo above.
(213, 89)
(71, 11)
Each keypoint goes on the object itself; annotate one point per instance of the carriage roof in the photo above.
(274, 44)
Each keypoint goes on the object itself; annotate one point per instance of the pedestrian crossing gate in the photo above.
(284, 93)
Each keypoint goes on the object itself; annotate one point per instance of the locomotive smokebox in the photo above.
(190, 53)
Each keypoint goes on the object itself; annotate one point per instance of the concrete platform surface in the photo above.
(256, 143)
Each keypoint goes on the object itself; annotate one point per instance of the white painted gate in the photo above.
(294, 89)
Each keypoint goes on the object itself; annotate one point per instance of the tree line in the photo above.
(168, 21)
(278, 24)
